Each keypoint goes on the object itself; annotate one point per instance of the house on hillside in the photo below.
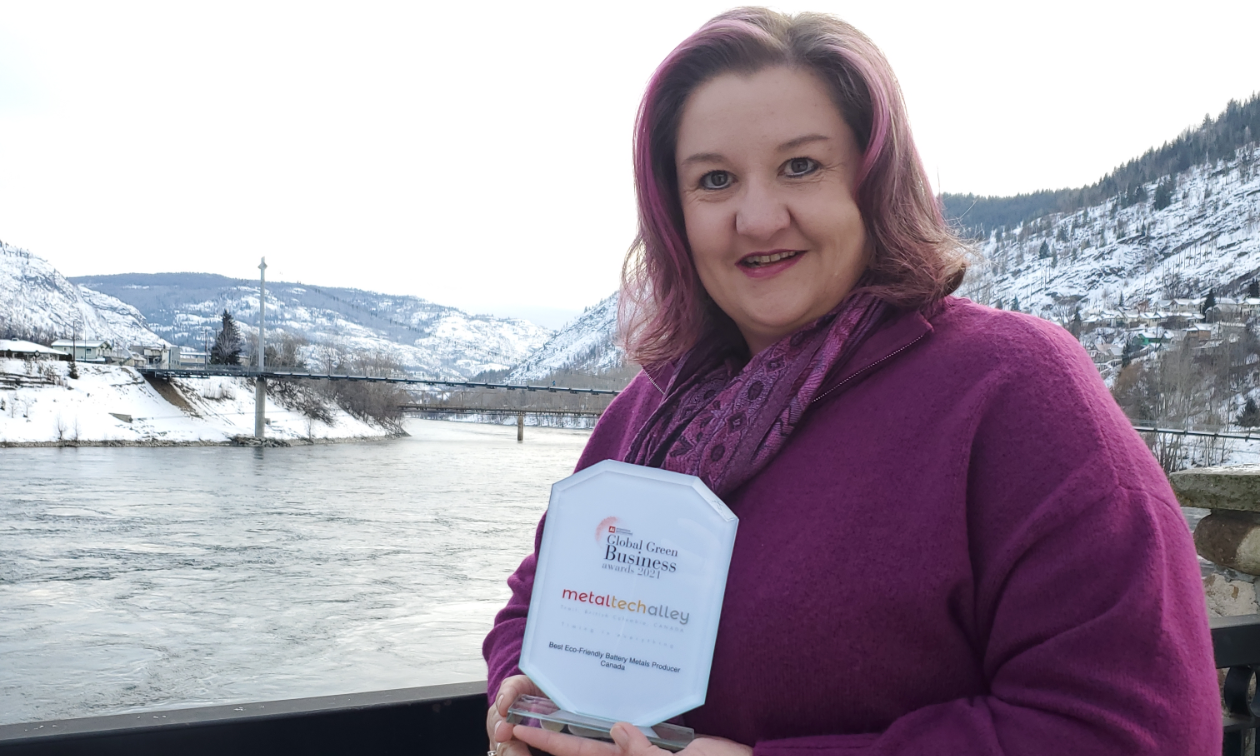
(1199, 334)
(29, 350)
(1104, 352)
(161, 356)
(82, 350)
(1229, 308)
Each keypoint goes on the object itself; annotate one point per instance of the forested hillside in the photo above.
(1215, 140)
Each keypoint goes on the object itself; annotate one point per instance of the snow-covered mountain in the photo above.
(39, 303)
(426, 338)
(1206, 238)
(586, 346)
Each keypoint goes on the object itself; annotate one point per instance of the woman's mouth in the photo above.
(762, 264)
(769, 258)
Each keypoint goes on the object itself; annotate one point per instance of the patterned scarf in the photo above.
(725, 424)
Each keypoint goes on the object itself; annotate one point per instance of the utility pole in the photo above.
(260, 385)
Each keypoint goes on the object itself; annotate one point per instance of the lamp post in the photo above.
(260, 385)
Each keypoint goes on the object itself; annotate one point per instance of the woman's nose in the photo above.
(761, 213)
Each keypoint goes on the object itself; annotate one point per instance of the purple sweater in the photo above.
(964, 548)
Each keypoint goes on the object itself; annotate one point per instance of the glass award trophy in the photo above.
(626, 601)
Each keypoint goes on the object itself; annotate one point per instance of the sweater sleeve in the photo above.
(502, 646)
(1089, 617)
(1089, 671)
(611, 437)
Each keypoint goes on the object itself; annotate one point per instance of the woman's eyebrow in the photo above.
(704, 157)
(792, 144)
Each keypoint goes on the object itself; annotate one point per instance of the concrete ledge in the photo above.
(1235, 488)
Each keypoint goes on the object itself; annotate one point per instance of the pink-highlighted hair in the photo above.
(916, 259)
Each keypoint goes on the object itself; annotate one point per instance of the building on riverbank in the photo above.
(29, 350)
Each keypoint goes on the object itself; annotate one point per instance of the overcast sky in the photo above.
(477, 154)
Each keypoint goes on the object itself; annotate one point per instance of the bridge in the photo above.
(445, 408)
(274, 374)
(498, 413)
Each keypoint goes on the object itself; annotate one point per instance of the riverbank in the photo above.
(41, 404)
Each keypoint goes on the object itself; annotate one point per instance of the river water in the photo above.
(146, 578)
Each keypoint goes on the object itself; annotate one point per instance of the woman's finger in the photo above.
(511, 689)
(633, 742)
(559, 744)
(502, 731)
(514, 748)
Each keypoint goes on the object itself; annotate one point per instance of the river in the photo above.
(147, 578)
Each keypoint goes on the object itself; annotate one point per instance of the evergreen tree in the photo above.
(1208, 303)
(1163, 194)
(1015, 304)
(1076, 326)
(1122, 301)
(1253, 290)
(1250, 416)
(1131, 348)
(1043, 251)
(1062, 236)
(227, 343)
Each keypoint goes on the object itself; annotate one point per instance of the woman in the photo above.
(951, 541)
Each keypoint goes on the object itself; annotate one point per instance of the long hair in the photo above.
(663, 309)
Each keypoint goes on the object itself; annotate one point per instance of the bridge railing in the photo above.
(251, 371)
(443, 719)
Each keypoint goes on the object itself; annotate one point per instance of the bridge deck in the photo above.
(244, 372)
(420, 409)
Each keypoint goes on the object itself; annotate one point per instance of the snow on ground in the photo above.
(41, 404)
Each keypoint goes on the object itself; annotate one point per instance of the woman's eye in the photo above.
(801, 166)
(715, 180)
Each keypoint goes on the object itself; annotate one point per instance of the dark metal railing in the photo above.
(1236, 643)
(444, 719)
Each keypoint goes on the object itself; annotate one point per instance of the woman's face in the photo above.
(766, 171)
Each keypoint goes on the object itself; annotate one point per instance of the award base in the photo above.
(536, 711)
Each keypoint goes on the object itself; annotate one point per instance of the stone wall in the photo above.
(1223, 507)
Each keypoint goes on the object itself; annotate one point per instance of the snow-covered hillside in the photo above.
(426, 338)
(38, 302)
(40, 403)
(1207, 238)
(585, 345)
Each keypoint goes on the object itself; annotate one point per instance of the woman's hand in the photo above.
(627, 741)
(497, 728)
